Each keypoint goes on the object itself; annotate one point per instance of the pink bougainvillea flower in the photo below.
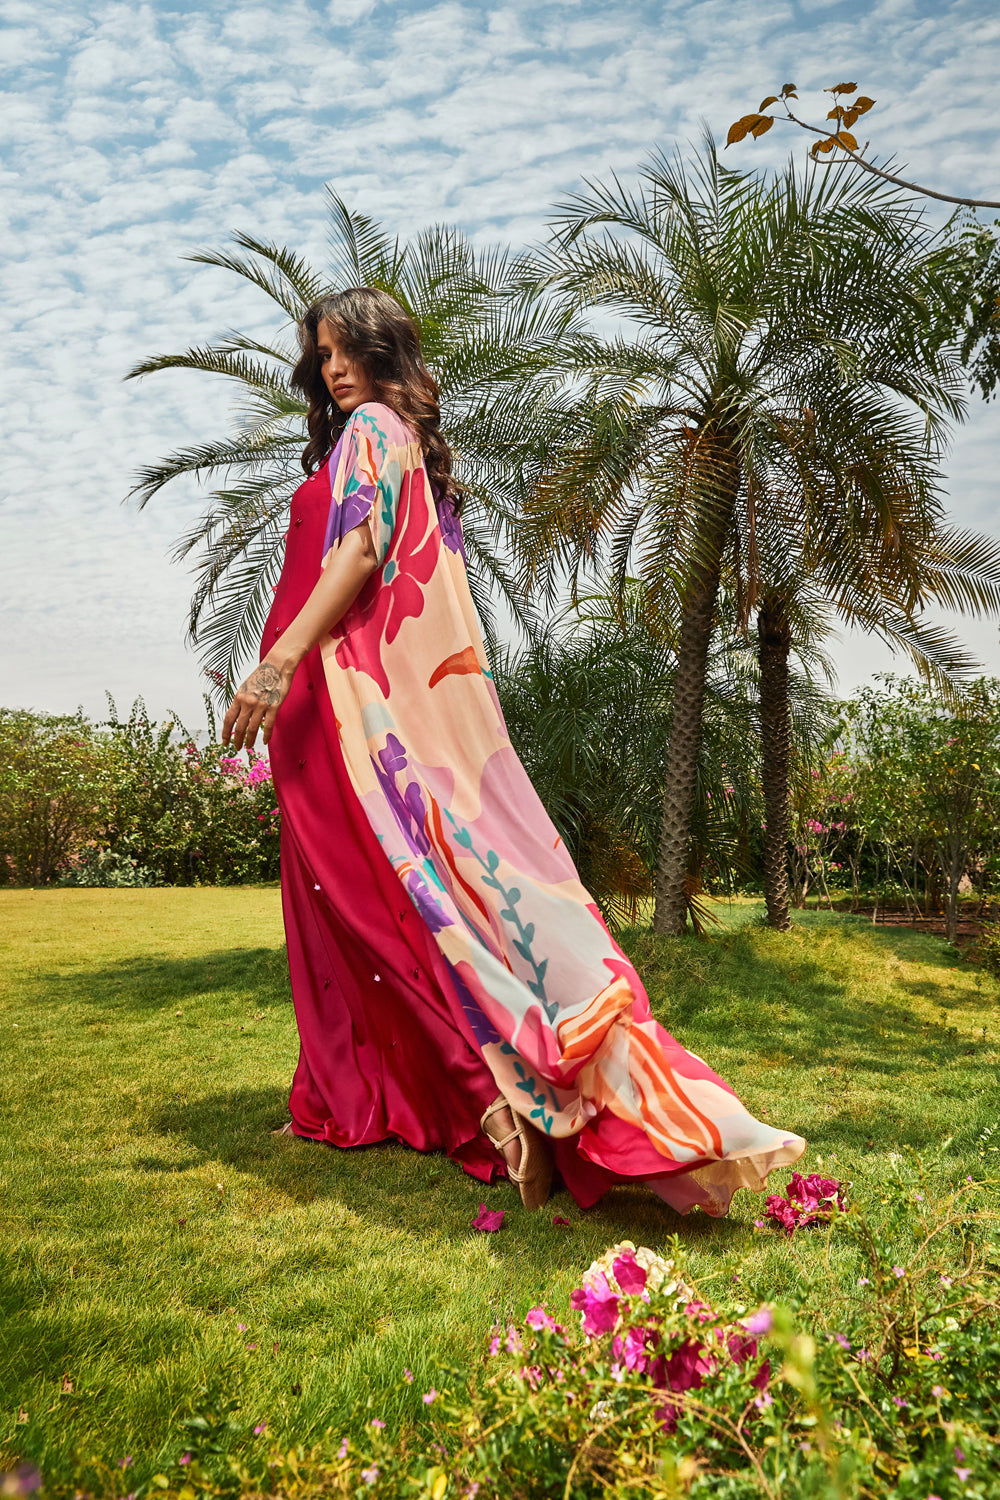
(342, 1450)
(741, 1347)
(628, 1273)
(842, 1340)
(634, 1349)
(962, 1475)
(898, 1271)
(513, 1343)
(184, 1460)
(537, 1317)
(495, 1344)
(808, 1200)
(261, 1427)
(560, 1222)
(762, 1378)
(378, 1424)
(759, 1322)
(666, 1415)
(598, 1304)
(429, 1397)
(370, 1475)
(488, 1220)
(408, 1376)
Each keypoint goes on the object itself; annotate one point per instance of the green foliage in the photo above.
(988, 947)
(130, 803)
(56, 782)
(890, 1388)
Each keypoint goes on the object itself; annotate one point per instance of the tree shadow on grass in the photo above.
(150, 983)
(423, 1194)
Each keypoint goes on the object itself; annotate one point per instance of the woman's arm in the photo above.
(257, 701)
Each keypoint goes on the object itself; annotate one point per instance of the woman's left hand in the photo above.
(255, 706)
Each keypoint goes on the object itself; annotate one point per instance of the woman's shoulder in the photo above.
(376, 415)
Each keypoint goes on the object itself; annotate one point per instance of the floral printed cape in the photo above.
(560, 1014)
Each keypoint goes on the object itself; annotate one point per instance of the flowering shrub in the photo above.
(649, 1385)
(130, 802)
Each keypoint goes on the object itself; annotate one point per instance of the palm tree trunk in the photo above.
(681, 783)
(774, 643)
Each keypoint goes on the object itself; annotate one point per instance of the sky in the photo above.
(136, 134)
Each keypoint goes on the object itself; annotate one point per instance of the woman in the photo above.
(454, 984)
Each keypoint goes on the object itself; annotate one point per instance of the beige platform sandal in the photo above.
(533, 1173)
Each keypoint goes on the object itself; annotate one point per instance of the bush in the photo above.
(55, 787)
(130, 803)
(650, 1387)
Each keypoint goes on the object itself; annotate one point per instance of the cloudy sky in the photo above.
(137, 133)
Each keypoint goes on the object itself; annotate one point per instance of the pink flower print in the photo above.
(628, 1273)
(387, 608)
(488, 1220)
(598, 1304)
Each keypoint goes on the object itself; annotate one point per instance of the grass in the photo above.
(149, 1040)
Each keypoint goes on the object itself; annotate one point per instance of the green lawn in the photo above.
(148, 1043)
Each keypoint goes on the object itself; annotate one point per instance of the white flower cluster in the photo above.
(661, 1275)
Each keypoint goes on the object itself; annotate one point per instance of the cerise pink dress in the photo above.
(441, 946)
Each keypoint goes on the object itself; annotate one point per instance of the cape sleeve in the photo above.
(365, 481)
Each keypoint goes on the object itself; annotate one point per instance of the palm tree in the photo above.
(587, 704)
(742, 308)
(489, 350)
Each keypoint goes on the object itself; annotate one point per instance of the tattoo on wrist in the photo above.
(264, 682)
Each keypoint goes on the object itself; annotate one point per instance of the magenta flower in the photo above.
(560, 1223)
(513, 1344)
(495, 1344)
(898, 1271)
(370, 1475)
(184, 1460)
(488, 1220)
(842, 1340)
(261, 1427)
(126, 1462)
(378, 1424)
(241, 1328)
(598, 1304)
(937, 1391)
(763, 1375)
(963, 1474)
(632, 1348)
(741, 1348)
(688, 1365)
(408, 1376)
(537, 1317)
(429, 1397)
(342, 1450)
(628, 1273)
(808, 1200)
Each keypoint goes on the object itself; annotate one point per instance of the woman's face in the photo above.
(346, 381)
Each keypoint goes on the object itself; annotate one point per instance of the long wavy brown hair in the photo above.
(383, 339)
